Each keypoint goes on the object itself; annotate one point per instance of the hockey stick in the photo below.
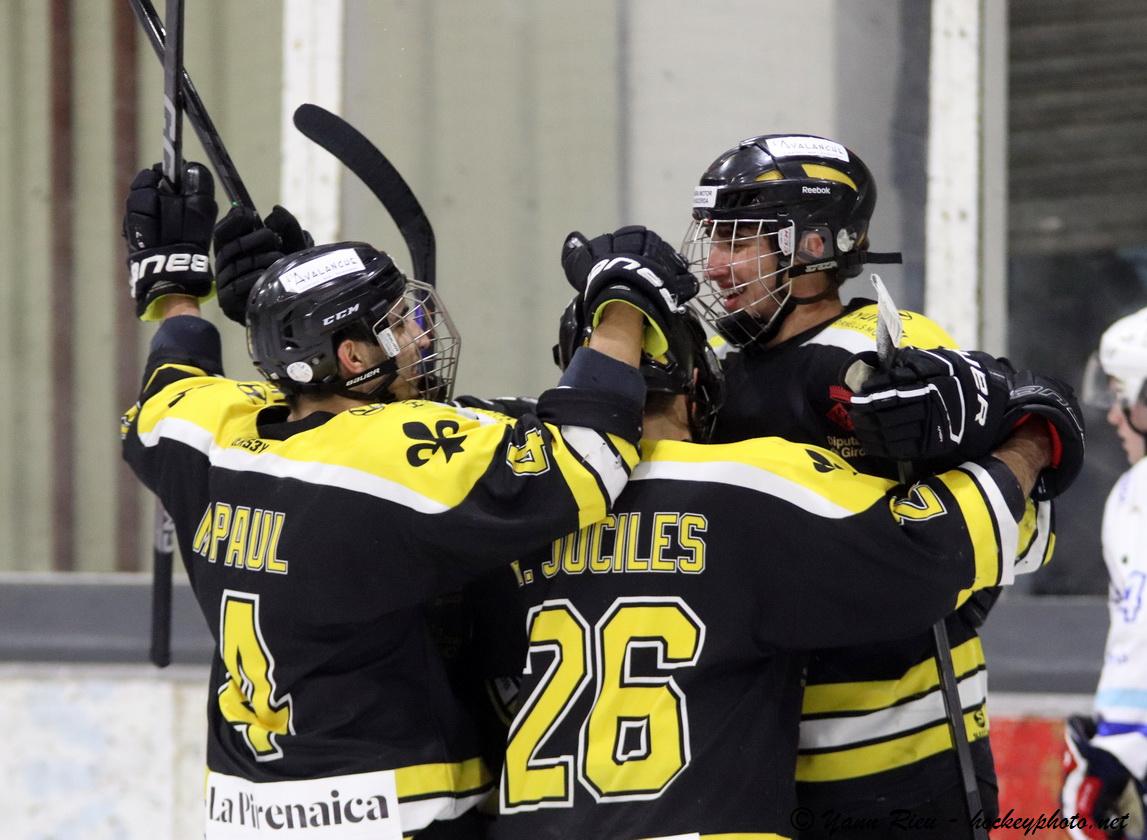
(364, 159)
(163, 546)
(889, 332)
(196, 113)
(172, 101)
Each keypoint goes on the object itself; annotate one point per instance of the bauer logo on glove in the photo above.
(632, 265)
(168, 234)
(167, 264)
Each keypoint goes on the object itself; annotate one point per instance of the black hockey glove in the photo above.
(167, 235)
(246, 247)
(930, 405)
(1055, 402)
(633, 265)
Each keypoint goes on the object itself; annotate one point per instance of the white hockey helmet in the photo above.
(1119, 368)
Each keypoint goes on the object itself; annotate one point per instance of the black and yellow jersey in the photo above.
(661, 692)
(311, 546)
(873, 726)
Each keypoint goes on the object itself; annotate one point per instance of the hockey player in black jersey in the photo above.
(661, 693)
(315, 511)
(779, 223)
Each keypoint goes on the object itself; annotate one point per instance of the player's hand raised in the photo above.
(168, 234)
(635, 266)
(245, 247)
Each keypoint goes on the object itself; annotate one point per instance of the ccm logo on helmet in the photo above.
(170, 263)
(338, 316)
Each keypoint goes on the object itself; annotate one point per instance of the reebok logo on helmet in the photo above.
(806, 190)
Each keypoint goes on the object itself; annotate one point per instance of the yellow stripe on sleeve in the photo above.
(873, 695)
(447, 779)
(582, 484)
(981, 525)
(854, 762)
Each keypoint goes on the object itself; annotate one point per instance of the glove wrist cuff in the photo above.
(180, 269)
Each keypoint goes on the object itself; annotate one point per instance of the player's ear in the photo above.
(352, 356)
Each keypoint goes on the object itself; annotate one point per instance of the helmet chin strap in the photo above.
(738, 324)
(380, 393)
(843, 265)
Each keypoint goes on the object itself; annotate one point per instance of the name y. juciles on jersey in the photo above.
(629, 543)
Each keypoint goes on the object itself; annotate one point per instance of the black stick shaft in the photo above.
(950, 691)
(172, 98)
(888, 335)
(163, 556)
(197, 114)
(163, 546)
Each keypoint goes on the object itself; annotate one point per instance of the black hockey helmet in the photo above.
(814, 182)
(784, 186)
(309, 301)
(689, 366)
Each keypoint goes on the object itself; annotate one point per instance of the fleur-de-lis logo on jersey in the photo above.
(440, 440)
(821, 463)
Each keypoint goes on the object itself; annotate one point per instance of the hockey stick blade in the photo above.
(889, 328)
(371, 166)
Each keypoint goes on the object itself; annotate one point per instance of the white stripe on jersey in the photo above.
(1034, 558)
(1009, 529)
(599, 456)
(330, 475)
(418, 814)
(743, 475)
(837, 732)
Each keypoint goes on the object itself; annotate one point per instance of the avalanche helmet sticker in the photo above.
(780, 147)
(321, 269)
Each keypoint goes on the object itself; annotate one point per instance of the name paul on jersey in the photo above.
(632, 543)
(246, 538)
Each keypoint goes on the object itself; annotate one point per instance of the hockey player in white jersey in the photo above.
(1106, 756)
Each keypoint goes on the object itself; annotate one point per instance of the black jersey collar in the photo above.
(274, 425)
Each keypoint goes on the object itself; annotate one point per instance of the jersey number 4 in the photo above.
(635, 739)
(248, 700)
